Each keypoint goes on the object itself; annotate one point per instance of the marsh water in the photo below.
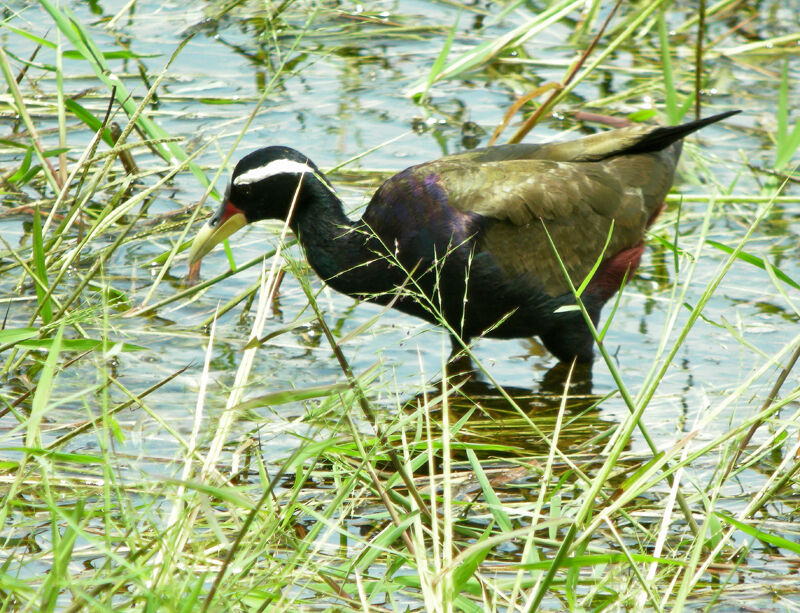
(345, 91)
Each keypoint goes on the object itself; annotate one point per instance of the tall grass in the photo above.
(134, 477)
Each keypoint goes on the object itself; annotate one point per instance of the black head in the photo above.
(265, 182)
(263, 186)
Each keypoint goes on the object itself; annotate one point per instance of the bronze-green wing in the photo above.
(575, 201)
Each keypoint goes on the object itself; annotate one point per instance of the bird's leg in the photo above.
(459, 363)
(571, 338)
(579, 375)
(455, 346)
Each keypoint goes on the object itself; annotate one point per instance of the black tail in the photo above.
(662, 137)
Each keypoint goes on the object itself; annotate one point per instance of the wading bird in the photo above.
(463, 240)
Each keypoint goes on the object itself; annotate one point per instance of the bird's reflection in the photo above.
(500, 418)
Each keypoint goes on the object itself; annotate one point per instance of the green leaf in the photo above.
(764, 537)
(558, 560)
(642, 115)
(17, 334)
(23, 168)
(44, 387)
(111, 55)
(715, 531)
(35, 170)
(643, 469)
(384, 540)
(89, 119)
(466, 569)
(755, 261)
(786, 143)
(63, 546)
(670, 96)
(40, 270)
(583, 561)
(484, 52)
(13, 144)
(438, 65)
(597, 263)
(75, 344)
(31, 37)
(492, 500)
(286, 396)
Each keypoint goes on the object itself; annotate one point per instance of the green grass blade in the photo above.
(81, 39)
(31, 37)
(467, 566)
(486, 51)
(492, 500)
(438, 64)
(786, 143)
(770, 539)
(77, 344)
(40, 270)
(89, 119)
(755, 261)
(63, 546)
(555, 564)
(670, 96)
(17, 334)
(44, 388)
(19, 106)
(286, 396)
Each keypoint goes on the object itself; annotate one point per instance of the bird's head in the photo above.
(264, 185)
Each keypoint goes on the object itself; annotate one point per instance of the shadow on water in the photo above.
(503, 422)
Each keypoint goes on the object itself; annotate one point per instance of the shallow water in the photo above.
(345, 95)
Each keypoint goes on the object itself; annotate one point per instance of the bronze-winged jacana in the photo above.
(463, 237)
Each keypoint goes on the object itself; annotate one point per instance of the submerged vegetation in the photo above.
(248, 444)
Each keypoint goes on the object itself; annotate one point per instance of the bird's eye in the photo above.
(246, 190)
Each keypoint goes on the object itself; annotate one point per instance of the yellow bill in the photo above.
(226, 221)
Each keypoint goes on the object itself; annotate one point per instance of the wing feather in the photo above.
(576, 200)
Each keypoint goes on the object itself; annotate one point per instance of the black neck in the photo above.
(332, 243)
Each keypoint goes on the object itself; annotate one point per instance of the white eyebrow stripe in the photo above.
(275, 167)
